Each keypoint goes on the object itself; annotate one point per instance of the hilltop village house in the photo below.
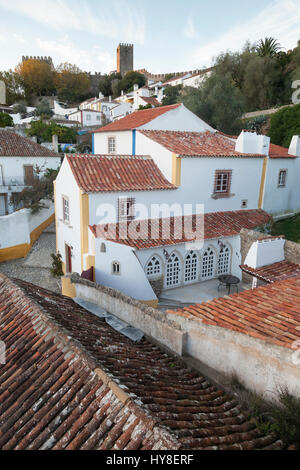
(188, 163)
(21, 162)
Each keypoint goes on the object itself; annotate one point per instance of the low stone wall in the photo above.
(151, 321)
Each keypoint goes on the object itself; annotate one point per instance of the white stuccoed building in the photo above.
(21, 161)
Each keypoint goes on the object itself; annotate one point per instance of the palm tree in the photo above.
(268, 47)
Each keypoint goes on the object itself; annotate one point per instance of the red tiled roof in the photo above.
(14, 145)
(137, 119)
(270, 313)
(107, 173)
(72, 382)
(276, 151)
(274, 272)
(150, 100)
(196, 144)
(216, 225)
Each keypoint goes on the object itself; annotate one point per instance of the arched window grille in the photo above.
(208, 261)
(224, 260)
(153, 267)
(191, 267)
(173, 271)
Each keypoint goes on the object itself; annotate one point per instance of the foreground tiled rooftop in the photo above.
(137, 119)
(216, 225)
(14, 145)
(274, 272)
(53, 392)
(270, 313)
(108, 173)
(206, 144)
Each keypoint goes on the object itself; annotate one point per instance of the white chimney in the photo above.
(122, 93)
(135, 87)
(55, 143)
(109, 99)
(156, 90)
(294, 148)
(250, 142)
(101, 96)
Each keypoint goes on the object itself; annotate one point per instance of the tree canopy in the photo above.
(44, 132)
(6, 120)
(71, 83)
(284, 125)
(36, 77)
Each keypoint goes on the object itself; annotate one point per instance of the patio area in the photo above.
(197, 294)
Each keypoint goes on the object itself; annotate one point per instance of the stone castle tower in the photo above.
(124, 58)
(47, 60)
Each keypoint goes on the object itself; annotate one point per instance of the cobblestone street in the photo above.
(36, 266)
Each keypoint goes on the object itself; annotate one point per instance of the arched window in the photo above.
(103, 248)
(153, 267)
(208, 261)
(224, 260)
(191, 267)
(116, 268)
(173, 271)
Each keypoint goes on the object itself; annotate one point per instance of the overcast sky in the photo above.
(169, 35)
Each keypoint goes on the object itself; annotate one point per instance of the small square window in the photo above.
(126, 208)
(116, 268)
(111, 145)
(282, 178)
(222, 182)
(244, 204)
(88, 117)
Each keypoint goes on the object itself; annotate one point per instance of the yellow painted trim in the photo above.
(262, 183)
(84, 225)
(20, 251)
(36, 233)
(56, 215)
(64, 267)
(67, 288)
(14, 252)
(176, 170)
(150, 303)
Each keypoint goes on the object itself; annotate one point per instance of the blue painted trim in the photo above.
(93, 144)
(133, 141)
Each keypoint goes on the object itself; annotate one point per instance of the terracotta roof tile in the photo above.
(270, 313)
(107, 173)
(52, 398)
(14, 145)
(196, 144)
(216, 225)
(150, 100)
(274, 272)
(137, 119)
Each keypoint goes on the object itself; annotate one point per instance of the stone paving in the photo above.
(35, 268)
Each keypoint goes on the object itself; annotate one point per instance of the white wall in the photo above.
(123, 142)
(182, 250)
(69, 234)
(178, 119)
(278, 200)
(13, 172)
(131, 281)
(15, 228)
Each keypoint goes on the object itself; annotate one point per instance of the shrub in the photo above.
(56, 269)
(284, 124)
(6, 120)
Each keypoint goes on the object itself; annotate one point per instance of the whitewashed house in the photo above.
(87, 117)
(21, 161)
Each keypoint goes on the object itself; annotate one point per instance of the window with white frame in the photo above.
(208, 261)
(173, 270)
(126, 208)
(282, 178)
(88, 117)
(111, 144)
(66, 209)
(191, 267)
(153, 267)
(116, 268)
(224, 260)
(98, 117)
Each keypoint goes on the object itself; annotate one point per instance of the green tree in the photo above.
(6, 120)
(71, 83)
(44, 132)
(20, 108)
(171, 95)
(131, 79)
(43, 109)
(14, 86)
(36, 77)
(268, 47)
(284, 125)
(217, 101)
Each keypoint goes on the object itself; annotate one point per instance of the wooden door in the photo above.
(28, 175)
(68, 258)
